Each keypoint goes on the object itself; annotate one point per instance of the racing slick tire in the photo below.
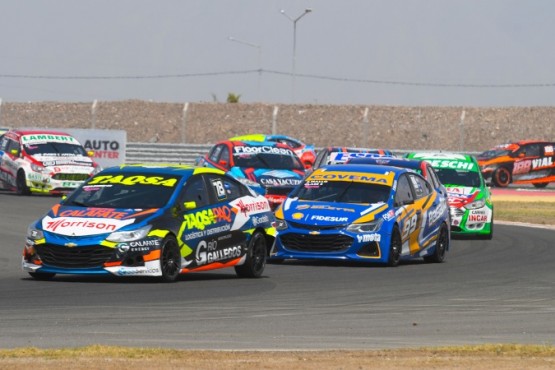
(170, 259)
(21, 184)
(442, 244)
(489, 236)
(541, 185)
(256, 257)
(42, 275)
(501, 177)
(394, 248)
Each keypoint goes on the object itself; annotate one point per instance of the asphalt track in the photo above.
(498, 291)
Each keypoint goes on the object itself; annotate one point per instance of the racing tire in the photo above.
(489, 236)
(21, 184)
(256, 258)
(395, 248)
(170, 260)
(442, 244)
(42, 275)
(541, 185)
(501, 177)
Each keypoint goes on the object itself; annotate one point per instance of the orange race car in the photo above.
(521, 162)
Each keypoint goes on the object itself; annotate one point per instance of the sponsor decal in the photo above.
(278, 174)
(548, 149)
(542, 162)
(208, 252)
(43, 138)
(260, 220)
(261, 149)
(76, 226)
(366, 238)
(390, 215)
(324, 207)
(477, 218)
(199, 220)
(138, 271)
(522, 167)
(268, 181)
(94, 212)
(453, 164)
(253, 207)
(133, 180)
(350, 176)
(435, 214)
(329, 218)
(297, 216)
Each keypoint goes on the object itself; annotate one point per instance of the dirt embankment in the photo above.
(421, 128)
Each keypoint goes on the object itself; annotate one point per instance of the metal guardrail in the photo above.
(183, 153)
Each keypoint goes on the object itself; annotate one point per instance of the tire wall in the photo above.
(405, 128)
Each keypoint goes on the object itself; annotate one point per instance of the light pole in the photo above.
(293, 72)
(253, 45)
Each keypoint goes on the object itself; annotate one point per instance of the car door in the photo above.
(409, 215)
(10, 160)
(207, 227)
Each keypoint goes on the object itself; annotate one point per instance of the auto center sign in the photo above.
(108, 145)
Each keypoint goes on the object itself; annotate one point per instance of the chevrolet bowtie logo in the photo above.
(70, 245)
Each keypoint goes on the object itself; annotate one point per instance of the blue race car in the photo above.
(156, 220)
(369, 213)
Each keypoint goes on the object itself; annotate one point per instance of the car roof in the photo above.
(357, 150)
(162, 168)
(428, 156)
(367, 168)
(22, 132)
(389, 161)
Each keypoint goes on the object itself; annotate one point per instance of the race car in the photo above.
(421, 167)
(521, 162)
(152, 220)
(340, 155)
(306, 152)
(368, 213)
(43, 161)
(469, 197)
(270, 168)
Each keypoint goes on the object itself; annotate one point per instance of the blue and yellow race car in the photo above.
(158, 220)
(367, 213)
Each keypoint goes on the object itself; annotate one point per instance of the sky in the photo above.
(473, 53)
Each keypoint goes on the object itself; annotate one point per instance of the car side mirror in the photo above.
(90, 153)
(190, 205)
(521, 155)
(14, 152)
(223, 163)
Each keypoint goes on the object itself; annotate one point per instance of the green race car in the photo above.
(468, 196)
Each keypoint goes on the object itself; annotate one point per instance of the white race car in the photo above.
(43, 161)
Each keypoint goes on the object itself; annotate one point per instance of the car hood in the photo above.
(459, 196)
(270, 177)
(49, 160)
(89, 221)
(330, 214)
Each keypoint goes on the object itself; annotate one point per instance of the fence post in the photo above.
(93, 114)
(366, 128)
(184, 123)
(274, 119)
(461, 128)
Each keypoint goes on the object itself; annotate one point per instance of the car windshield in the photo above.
(55, 149)
(449, 176)
(135, 191)
(342, 191)
(494, 153)
(268, 160)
